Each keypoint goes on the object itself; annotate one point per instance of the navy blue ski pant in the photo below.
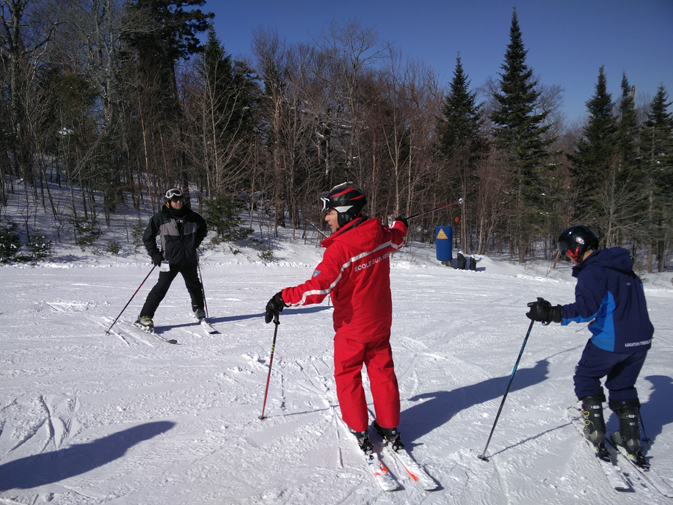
(189, 274)
(621, 370)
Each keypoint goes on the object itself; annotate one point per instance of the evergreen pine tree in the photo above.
(170, 33)
(657, 158)
(628, 204)
(521, 134)
(593, 155)
(229, 99)
(627, 131)
(460, 140)
(461, 121)
(274, 103)
(165, 32)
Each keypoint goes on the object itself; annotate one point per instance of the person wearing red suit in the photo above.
(355, 272)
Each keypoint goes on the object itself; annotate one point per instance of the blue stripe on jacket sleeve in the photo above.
(604, 327)
(579, 319)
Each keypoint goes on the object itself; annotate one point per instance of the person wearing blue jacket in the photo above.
(610, 296)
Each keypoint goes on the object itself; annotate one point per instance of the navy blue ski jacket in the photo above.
(611, 294)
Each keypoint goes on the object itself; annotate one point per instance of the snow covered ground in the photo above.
(123, 418)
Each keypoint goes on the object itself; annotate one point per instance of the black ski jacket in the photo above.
(179, 237)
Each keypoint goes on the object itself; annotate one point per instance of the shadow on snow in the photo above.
(50, 467)
(654, 413)
(286, 312)
(439, 407)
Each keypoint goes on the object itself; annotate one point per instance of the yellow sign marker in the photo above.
(441, 234)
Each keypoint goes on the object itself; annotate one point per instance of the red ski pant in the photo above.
(349, 355)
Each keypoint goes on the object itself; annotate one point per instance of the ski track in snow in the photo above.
(88, 417)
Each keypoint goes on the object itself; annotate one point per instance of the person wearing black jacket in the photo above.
(181, 231)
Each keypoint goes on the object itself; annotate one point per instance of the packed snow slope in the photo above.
(122, 418)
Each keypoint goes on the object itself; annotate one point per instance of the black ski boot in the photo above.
(390, 435)
(594, 424)
(363, 441)
(628, 436)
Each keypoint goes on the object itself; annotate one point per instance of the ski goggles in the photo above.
(573, 254)
(570, 249)
(174, 194)
(327, 204)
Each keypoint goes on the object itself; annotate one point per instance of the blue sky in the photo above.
(567, 40)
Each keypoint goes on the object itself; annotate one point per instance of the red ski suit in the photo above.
(355, 271)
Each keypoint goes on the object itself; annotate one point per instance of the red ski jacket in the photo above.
(355, 271)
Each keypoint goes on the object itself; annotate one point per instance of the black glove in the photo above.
(401, 219)
(157, 258)
(274, 307)
(543, 311)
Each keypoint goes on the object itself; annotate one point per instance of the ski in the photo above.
(413, 469)
(135, 328)
(380, 471)
(416, 473)
(647, 473)
(383, 477)
(612, 472)
(206, 326)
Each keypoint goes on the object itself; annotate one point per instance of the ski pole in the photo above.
(458, 202)
(127, 304)
(483, 456)
(646, 439)
(316, 228)
(276, 321)
(203, 291)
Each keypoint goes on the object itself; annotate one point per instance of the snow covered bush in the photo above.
(137, 236)
(39, 246)
(87, 231)
(222, 216)
(114, 247)
(10, 242)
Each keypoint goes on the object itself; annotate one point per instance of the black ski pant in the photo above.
(191, 277)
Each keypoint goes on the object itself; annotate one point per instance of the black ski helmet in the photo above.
(347, 200)
(576, 240)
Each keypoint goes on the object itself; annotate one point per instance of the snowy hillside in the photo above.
(89, 418)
